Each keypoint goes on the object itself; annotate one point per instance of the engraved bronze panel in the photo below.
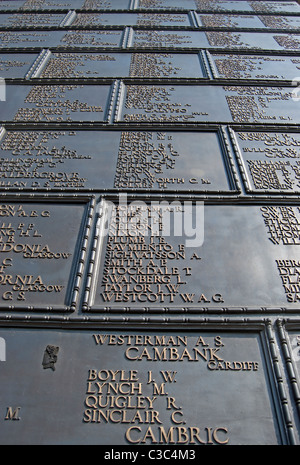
(209, 103)
(105, 4)
(131, 19)
(21, 20)
(281, 22)
(173, 161)
(249, 21)
(174, 4)
(55, 103)
(269, 161)
(166, 65)
(290, 345)
(293, 338)
(82, 38)
(253, 40)
(52, 4)
(275, 7)
(93, 65)
(58, 160)
(134, 388)
(150, 223)
(174, 104)
(40, 248)
(230, 21)
(30, 39)
(257, 6)
(85, 65)
(242, 66)
(223, 5)
(11, 4)
(150, 255)
(288, 41)
(105, 19)
(81, 160)
(177, 39)
(215, 39)
(16, 65)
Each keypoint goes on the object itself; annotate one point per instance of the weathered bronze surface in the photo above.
(55, 103)
(216, 39)
(240, 104)
(150, 222)
(11, 5)
(150, 39)
(50, 4)
(240, 5)
(16, 65)
(40, 248)
(81, 160)
(105, 4)
(230, 21)
(214, 5)
(269, 161)
(29, 39)
(249, 21)
(59, 38)
(93, 65)
(19, 20)
(141, 387)
(260, 67)
(133, 19)
(161, 259)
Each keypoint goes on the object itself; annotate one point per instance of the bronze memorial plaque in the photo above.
(281, 22)
(93, 65)
(249, 21)
(274, 6)
(174, 104)
(23, 20)
(134, 160)
(269, 161)
(105, 4)
(245, 66)
(55, 103)
(175, 255)
(131, 19)
(230, 21)
(224, 5)
(138, 388)
(166, 39)
(249, 6)
(150, 225)
(208, 103)
(290, 341)
(11, 5)
(262, 104)
(167, 65)
(30, 38)
(40, 246)
(168, 4)
(253, 40)
(16, 65)
(85, 38)
(51, 4)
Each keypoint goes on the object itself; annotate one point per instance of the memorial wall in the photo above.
(150, 222)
